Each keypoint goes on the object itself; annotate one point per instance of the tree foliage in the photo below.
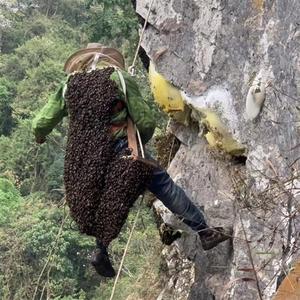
(7, 121)
(36, 38)
(9, 200)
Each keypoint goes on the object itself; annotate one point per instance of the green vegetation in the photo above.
(36, 38)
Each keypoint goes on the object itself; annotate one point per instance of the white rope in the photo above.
(126, 249)
(131, 69)
(140, 142)
(95, 61)
(134, 223)
(52, 251)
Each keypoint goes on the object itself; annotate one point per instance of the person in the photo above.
(162, 186)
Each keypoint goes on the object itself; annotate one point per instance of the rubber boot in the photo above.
(101, 262)
(211, 237)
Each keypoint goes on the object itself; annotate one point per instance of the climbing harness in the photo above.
(131, 128)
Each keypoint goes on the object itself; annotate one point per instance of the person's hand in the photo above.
(40, 139)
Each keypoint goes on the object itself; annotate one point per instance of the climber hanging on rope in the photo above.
(88, 155)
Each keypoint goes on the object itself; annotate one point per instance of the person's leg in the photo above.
(176, 200)
(101, 246)
(100, 258)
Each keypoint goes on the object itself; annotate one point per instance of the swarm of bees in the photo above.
(101, 186)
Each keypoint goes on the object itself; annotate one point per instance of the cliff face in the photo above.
(236, 62)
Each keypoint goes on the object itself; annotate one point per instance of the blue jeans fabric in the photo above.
(171, 195)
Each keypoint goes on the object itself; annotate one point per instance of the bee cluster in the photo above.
(101, 186)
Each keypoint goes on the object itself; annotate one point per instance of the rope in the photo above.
(126, 249)
(131, 69)
(132, 229)
(140, 142)
(51, 253)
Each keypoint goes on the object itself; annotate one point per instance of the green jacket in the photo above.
(139, 111)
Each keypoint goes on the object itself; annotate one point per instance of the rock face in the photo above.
(241, 61)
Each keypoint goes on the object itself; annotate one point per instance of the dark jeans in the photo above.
(170, 194)
(176, 200)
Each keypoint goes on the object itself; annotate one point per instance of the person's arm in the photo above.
(50, 115)
(138, 109)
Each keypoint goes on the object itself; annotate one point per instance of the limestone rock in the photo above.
(214, 51)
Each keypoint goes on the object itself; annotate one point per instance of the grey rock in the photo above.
(224, 46)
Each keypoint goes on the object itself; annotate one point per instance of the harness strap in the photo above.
(131, 130)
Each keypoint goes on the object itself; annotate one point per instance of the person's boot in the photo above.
(211, 237)
(101, 262)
